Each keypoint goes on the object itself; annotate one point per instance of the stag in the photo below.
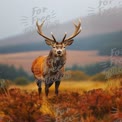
(50, 68)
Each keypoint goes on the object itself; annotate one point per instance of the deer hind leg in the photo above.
(39, 84)
(57, 83)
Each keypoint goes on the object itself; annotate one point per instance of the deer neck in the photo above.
(56, 62)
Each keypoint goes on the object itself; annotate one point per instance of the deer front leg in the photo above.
(57, 83)
(46, 89)
(47, 86)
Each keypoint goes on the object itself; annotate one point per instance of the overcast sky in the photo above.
(17, 16)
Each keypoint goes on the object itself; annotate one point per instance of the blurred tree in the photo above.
(21, 81)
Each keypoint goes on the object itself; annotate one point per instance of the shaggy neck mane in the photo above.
(56, 62)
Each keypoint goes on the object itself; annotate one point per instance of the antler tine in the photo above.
(77, 26)
(39, 27)
(64, 37)
(76, 32)
(53, 36)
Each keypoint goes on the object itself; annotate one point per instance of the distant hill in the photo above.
(100, 32)
(103, 43)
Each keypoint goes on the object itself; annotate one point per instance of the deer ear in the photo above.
(69, 42)
(48, 42)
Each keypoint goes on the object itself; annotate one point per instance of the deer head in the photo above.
(59, 48)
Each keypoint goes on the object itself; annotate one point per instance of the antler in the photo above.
(39, 27)
(76, 32)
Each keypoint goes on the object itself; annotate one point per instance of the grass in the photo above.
(75, 86)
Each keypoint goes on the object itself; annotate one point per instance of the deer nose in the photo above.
(59, 52)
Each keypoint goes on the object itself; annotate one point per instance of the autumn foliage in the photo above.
(93, 106)
(21, 106)
(96, 105)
